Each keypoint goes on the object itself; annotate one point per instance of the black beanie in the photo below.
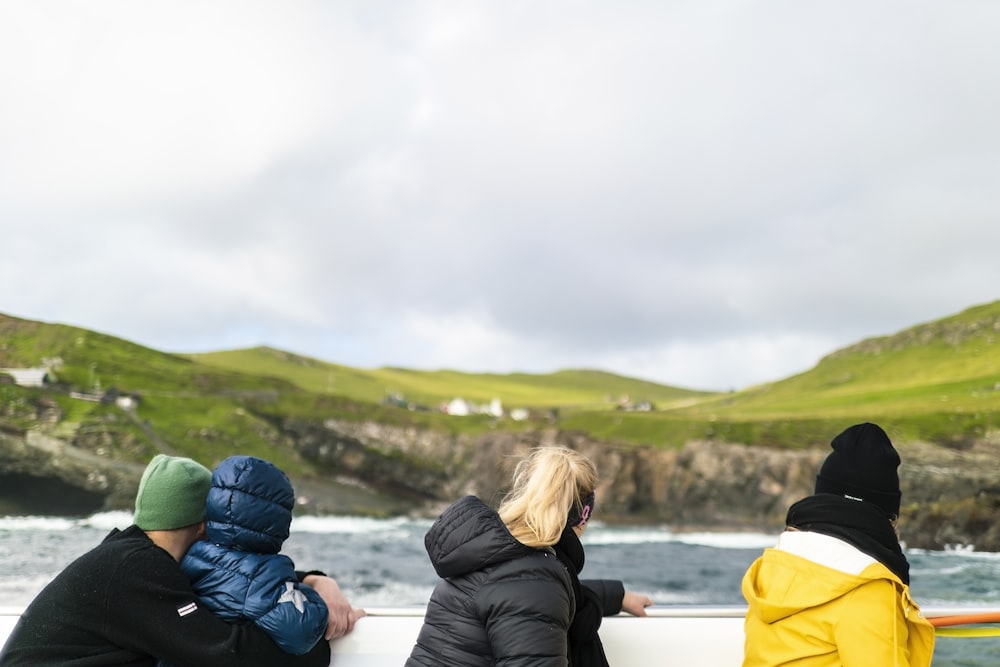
(862, 466)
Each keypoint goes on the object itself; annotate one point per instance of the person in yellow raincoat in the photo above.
(834, 591)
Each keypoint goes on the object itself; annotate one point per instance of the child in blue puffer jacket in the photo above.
(237, 571)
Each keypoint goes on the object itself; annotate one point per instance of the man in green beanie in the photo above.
(171, 493)
(127, 601)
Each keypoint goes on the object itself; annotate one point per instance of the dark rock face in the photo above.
(950, 496)
(44, 475)
(30, 494)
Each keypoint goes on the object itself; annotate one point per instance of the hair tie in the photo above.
(580, 515)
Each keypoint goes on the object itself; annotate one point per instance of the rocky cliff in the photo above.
(950, 496)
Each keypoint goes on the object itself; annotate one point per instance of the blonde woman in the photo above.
(505, 596)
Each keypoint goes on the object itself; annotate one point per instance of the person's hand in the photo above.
(635, 603)
(342, 615)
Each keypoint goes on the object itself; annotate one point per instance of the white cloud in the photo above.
(705, 194)
(119, 100)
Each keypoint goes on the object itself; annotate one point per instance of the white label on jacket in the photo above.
(189, 608)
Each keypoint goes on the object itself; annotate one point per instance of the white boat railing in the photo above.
(681, 635)
(707, 636)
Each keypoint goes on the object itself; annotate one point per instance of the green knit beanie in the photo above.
(172, 493)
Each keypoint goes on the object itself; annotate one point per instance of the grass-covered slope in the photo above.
(185, 407)
(85, 361)
(576, 389)
(938, 381)
(934, 379)
(952, 364)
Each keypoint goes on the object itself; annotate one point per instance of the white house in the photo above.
(495, 408)
(519, 414)
(127, 403)
(28, 377)
(458, 407)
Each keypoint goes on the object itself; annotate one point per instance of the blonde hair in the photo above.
(547, 483)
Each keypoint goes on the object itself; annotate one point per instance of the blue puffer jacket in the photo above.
(238, 572)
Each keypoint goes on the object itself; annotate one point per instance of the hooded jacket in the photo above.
(499, 601)
(818, 601)
(237, 572)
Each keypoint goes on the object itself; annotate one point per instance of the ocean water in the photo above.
(381, 563)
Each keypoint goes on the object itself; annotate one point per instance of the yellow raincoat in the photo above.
(822, 603)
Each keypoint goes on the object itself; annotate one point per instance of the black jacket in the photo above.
(499, 602)
(127, 602)
(595, 599)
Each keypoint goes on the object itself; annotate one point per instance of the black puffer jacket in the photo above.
(499, 602)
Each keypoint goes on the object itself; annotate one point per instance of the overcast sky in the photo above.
(701, 193)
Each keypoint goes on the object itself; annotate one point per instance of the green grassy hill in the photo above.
(943, 376)
(572, 389)
(186, 407)
(953, 362)
(938, 381)
(89, 361)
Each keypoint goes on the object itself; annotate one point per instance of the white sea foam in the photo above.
(960, 553)
(597, 533)
(102, 520)
(108, 520)
(36, 523)
(600, 535)
(729, 540)
(353, 524)
(617, 536)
